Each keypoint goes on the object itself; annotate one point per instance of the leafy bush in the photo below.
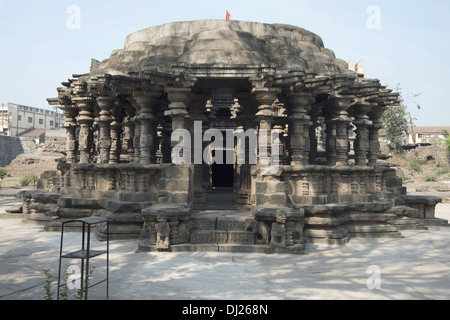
(430, 178)
(3, 173)
(28, 180)
(442, 171)
(413, 164)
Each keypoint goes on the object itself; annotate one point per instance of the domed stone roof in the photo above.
(222, 43)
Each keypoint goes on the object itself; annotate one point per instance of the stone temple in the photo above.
(327, 184)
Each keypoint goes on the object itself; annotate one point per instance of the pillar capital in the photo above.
(106, 104)
(179, 99)
(360, 113)
(85, 104)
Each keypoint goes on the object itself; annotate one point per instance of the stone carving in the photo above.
(278, 232)
(262, 233)
(279, 109)
(235, 109)
(162, 232)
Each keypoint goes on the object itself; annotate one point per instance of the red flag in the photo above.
(228, 16)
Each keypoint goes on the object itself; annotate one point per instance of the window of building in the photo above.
(30, 120)
(51, 123)
(41, 121)
(20, 117)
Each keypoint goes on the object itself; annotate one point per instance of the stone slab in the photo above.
(240, 237)
(209, 236)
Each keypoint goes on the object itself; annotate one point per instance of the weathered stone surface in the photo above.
(124, 207)
(39, 196)
(171, 211)
(208, 223)
(230, 223)
(42, 207)
(269, 213)
(209, 236)
(222, 42)
(240, 237)
(404, 211)
(324, 209)
(66, 202)
(74, 213)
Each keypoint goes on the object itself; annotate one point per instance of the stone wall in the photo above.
(430, 155)
(28, 145)
(10, 148)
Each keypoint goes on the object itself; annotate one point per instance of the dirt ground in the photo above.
(29, 164)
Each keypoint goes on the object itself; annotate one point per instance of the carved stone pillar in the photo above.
(85, 119)
(130, 130)
(116, 133)
(265, 97)
(313, 138)
(179, 99)
(301, 103)
(165, 144)
(337, 134)
(105, 104)
(374, 143)
(137, 130)
(70, 123)
(330, 142)
(361, 122)
(148, 125)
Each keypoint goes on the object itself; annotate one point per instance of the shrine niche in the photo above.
(328, 183)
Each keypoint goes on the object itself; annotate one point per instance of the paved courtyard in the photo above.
(414, 267)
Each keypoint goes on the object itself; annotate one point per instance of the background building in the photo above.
(426, 134)
(16, 119)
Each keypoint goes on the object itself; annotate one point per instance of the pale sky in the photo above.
(409, 43)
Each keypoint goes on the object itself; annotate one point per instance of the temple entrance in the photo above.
(222, 195)
(222, 176)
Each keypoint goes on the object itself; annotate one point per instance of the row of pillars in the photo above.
(141, 124)
(339, 111)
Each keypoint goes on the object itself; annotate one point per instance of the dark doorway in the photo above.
(222, 175)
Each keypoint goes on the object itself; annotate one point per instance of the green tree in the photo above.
(398, 123)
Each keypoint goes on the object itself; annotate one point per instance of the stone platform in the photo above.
(220, 227)
(224, 231)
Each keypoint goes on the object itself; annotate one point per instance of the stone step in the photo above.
(246, 248)
(221, 220)
(222, 237)
(371, 228)
(38, 219)
(77, 203)
(346, 218)
(220, 205)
